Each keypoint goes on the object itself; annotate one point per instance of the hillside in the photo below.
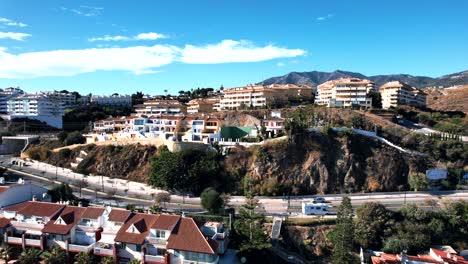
(448, 99)
(315, 78)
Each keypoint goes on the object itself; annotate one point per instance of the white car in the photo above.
(318, 200)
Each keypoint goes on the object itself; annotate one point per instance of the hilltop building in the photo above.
(397, 93)
(345, 93)
(258, 96)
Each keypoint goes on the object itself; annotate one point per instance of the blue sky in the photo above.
(102, 47)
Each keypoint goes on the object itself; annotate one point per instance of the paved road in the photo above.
(44, 173)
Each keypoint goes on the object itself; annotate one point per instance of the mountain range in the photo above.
(315, 78)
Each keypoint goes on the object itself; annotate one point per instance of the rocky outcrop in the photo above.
(318, 163)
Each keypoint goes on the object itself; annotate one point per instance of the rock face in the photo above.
(317, 163)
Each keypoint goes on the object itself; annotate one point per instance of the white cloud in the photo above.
(229, 51)
(14, 35)
(9, 22)
(141, 36)
(323, 18)
(137, 59)
(83, 10)
(280, 64)
(150, 36)
(73, 62)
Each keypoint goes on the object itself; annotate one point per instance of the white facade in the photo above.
(36, 106)
(345, 93)
(160, 107)
(5, 95)
(112, 100)
(19, 193)
(67, 99)
(397, 93)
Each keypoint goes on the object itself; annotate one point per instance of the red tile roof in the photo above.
(71, 215)
(166, 222)
(36, 208)
(4, 222)
(118, 215)
(93, 212)
(142, 222)
(188, 237)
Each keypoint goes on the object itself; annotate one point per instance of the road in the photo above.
(103, 192)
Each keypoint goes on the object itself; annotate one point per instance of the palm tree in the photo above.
(134, 261)
(30, 256)
(84, 258)
(6, 252)
(55, 256)
(107, 260)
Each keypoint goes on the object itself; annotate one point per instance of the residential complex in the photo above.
(160, 107)
(435, 256)
(345, 93)
(5, 95)
(112, 232)
(67, 99)
(112, 100)
(207, 105)
(258, 96)
(38, 107)
(397, 93)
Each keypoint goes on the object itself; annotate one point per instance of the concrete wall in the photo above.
(20, 193)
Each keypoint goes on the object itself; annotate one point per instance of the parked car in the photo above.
(318, 200)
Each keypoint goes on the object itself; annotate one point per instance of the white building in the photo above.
(345, 93)
(67, 99)
(38, 107)
(160, 107)
(397, 93)
(18, 193)
(5, 95)
(257, 96)
(112, 100)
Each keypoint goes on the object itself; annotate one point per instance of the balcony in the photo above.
(32, 242)
(81, 248)
(15, 240)
(27, 226)
(157, 241)
(102, 249)
(158, 259)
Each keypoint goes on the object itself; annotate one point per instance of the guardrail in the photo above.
(15, 240)
(103, 252)
(154, 258)
(32, 242)
(80, 248)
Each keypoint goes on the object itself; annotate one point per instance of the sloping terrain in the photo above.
(448, 99)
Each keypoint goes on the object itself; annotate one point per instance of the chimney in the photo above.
(80, 204)
(34, 198)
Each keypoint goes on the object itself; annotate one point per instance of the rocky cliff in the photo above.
(320, 163)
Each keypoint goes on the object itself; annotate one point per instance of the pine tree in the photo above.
(343, 234)
(250, 228)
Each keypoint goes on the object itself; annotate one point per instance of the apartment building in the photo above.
(397, 93)
(38, 107)
(67, 99)
(206, 129)
(160, 107)
(205, 105)
(258, 96)
(18, 193)
(345, 93)
(5, 95)
(274, 124)
(115, 233)
(112, 100)
(434, 256)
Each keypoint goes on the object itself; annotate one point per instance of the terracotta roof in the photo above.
(4, 222)
(71, 215)
(93, 212)
(119, 215)
(36, 208)
(3, 188)
(188, 237)
(142, 222)
(166, 222)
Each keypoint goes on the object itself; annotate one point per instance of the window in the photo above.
(123, 245)
(138, 247)
(160, 234)
(161, 251)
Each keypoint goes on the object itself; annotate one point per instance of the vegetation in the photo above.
(412, 228)
(63, 192)
(80, 117)
(162, 198)
(30, 256)
(250, 230)
(342, 235)
(5, 253)
(211, 200)
(298, 123)
(186, 171)
(107, 260)
(84, 258)
(56, 255)
(418, 181)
